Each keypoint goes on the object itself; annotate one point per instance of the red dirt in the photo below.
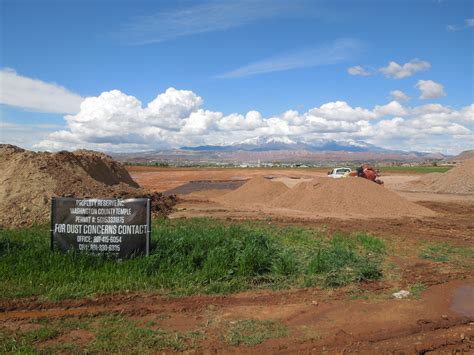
(356, 319)
(30, 179)
(317, 320)
(345, 198)
(349, 197)
(259, 190)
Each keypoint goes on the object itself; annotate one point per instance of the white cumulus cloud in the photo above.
(399, 95)
(393, 108)
(430, 89)
(358, 70)
(115, 121)
(342, 111)
(396, 71)
(36, 95)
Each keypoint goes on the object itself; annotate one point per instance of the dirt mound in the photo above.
(458, 180)
(258, 190)
(29, 179)
(349, 197)
(467, 154)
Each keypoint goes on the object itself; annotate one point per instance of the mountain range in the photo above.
(281, 149)
(263, 144)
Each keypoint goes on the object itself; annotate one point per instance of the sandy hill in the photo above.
(258, 190)
(29, 180)
(467, 154)
(349, 197)
(458, 180)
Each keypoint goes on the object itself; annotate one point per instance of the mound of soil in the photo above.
(458, 180)
(348, 197)
(29, 180)
(467, 154)
(258, 190)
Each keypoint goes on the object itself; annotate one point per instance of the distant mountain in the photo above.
(281, 149)
(264, 144)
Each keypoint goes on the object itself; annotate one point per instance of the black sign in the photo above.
(112, 226)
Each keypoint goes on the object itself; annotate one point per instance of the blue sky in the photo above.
(236, 57)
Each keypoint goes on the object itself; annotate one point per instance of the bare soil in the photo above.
(29, 180)
(376, 324)
(362, 318)
(458, 180)
(317, 320)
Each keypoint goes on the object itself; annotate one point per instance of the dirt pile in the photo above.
(30, 179)
(349, 197)
(467, 154)
(458, 180)
(256, 191)
(355, 197)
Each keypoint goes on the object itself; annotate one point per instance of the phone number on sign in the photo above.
(99, 247)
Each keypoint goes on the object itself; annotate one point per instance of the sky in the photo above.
(139, 75)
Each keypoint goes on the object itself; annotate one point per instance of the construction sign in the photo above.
(115, 227)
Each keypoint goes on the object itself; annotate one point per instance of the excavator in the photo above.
(368, 172)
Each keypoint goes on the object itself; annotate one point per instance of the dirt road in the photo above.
(314, 320)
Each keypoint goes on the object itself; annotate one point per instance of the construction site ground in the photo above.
(429, 256)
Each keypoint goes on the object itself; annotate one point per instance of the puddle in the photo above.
(463, 301)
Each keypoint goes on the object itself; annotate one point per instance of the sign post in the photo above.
(117, 227)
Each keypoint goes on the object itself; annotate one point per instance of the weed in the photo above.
(416, 289)
(111, 333)
(347, 259)
(444, 252)
(253, 332)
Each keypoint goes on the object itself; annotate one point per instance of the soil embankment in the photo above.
(349, 197)
(458, 180)
(29, 180)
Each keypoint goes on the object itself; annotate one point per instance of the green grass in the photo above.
(253, 332)
(193, 256)
(415, 169)
(416, 289)
(108, 334)
(447, 253)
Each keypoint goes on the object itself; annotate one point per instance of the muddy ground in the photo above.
(426, 256)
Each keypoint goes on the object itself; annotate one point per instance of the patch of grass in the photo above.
(344, 260)
(25, 342)
(193, 256)
(111, 333)
(445, 253)
(115, 333)
(416, 289)
(253, 332)
(416, 169)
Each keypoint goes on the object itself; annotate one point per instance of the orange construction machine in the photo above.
(366, 171)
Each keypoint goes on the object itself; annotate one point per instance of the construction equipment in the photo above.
(366, 171)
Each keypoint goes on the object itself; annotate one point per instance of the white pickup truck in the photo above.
(338, 173)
